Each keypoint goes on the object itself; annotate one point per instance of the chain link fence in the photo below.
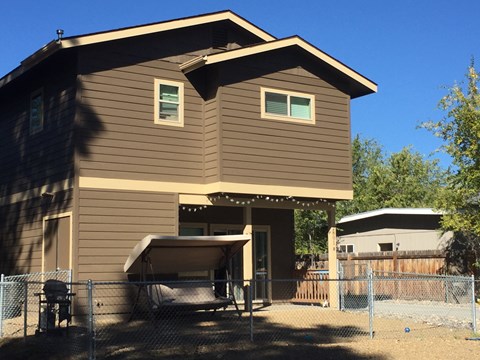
(23, 317)
(17, 301)
(137, 320)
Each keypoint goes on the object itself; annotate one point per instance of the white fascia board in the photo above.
(275, 45)
(389, 211)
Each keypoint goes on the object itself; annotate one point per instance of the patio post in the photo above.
(332, 260)
(248, 248)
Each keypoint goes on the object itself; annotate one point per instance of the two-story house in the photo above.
(200, 125)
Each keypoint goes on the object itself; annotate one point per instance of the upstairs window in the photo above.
(36, 112)
(168, 102)
(285, 105)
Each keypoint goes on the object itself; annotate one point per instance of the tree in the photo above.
(460, 131)
(367, 160)
(311, 230)
(403, 179)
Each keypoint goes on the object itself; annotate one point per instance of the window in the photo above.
(36, 112)
(284, 105)
(168, 102)
(385, 247)
(189, 229)
(348, 248)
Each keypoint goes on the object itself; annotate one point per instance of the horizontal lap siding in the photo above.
(30, 161)
(111, 223)
(21, 231)
(263, 151)
(211, 141)
(128, 145)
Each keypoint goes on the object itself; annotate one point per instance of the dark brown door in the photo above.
(57, 244)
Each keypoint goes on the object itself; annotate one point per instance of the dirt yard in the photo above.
(403, 348)
(280, 333)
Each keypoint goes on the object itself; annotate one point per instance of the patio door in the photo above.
(57, 242)
(261, 264)
(260, 261)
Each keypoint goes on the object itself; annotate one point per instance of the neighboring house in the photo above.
(201, 125)
(390, 230)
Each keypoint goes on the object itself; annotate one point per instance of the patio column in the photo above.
(332, 259)
(248, 248)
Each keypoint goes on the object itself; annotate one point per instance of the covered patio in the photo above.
(269, 221)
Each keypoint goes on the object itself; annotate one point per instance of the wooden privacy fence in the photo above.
(384, 264)
(419, 262)
(311, 287)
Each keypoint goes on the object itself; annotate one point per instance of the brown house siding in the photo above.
(110, 223)
(21, 231)
(212, 142)
(282, 239)
(275, 152)
(130, 145)
(117, 90)
(29, 161)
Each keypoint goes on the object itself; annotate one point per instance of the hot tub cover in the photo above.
(173, 254)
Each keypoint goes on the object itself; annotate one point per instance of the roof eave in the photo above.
(88, 39)
(365, 85)
(37, 57)
(389, 211)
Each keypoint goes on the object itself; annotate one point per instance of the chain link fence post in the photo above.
(91, 330)
(340, 285)
(2, 279)
(370, 302)
(25, 309)
(474, 307)
(250, 307)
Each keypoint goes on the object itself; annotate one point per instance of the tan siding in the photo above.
(211, 141)
(33, 160)
(21, 232)
(112, 222)
(263, 151)
(130, 145)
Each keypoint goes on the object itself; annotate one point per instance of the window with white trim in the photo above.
(287, 105)
(347, 248)
(168, 102)
(36, 112)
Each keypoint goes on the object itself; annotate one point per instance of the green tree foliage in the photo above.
(460, 131)
(403, 179)
(311, 230)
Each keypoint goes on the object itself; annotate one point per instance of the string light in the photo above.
(247, 201)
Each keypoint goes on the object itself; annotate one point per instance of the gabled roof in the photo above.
(389, 211)
(364, 85)
(99, 37)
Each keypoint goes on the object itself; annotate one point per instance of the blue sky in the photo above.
(410, 48)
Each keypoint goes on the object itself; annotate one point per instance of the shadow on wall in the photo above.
(42, 163)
